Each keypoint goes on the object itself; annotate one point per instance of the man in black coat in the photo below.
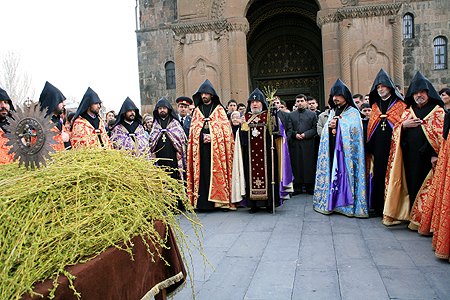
(303, 160)
(284, 118)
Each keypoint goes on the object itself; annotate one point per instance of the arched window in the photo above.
(440, 53)
(170, 75)
(408, 26)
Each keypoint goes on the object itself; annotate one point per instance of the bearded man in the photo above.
(6, 106)
(52, 100)
(414, 151)
(340, 177)
(261, 169)
(387, 108)
(210, 152)
(168, 140)
(128, 133)
(88, 129)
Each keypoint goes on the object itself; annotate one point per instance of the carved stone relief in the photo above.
(366, 63)
(349, 2)
(200, 70)
(350, 12)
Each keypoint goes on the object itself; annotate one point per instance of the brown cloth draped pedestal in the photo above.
(113, 275)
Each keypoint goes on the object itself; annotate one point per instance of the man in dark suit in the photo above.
(284, 117)
(183, 110)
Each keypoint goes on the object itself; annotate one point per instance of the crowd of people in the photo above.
(379, 155)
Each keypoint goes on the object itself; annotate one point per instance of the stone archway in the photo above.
(284, 48)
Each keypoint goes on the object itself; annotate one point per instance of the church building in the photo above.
(294, 46)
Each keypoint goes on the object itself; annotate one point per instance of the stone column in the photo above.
(331, 58)
(179, 78)
(345, 59)
(237, 45)
(397, 50)
(225, 67)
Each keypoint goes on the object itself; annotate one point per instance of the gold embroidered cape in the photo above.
(397, 203)
(222, 150)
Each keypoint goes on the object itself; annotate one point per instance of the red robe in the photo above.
(397, 205)
(4, 156)
(85, 135)
(222, 149)
(436, 211)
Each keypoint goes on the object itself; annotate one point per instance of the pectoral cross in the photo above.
(383, 125)
(164, 138)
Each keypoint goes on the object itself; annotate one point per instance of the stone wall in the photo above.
(155, 48)
(431, 19)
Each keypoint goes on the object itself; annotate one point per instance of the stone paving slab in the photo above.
(302, 254)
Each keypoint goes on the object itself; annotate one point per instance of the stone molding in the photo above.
(360, 12)
(217, 26)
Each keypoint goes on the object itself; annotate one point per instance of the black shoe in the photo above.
(295, 193)
(253, 210)
(269, 210)
(373, 213)
(310, 192)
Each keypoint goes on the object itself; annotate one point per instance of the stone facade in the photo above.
(293, 45)
(431, 20)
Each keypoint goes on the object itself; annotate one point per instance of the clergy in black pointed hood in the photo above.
(5, 97)
(339, 88)
(163, 102)
(89, 98)
(384, 79)
(207, 88)
(6, 106)
(420, 83)
(50, 99)
(127, 105)
(257, 95)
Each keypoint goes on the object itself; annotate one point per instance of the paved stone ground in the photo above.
(301, 254)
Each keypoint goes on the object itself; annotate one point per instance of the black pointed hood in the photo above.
(127, 105)
(339, 88)
(4, 96)
(206, 87)
(420, 83)
(50, 98)
(161, 103)
(89, 98)
(257, 95)
(384, 79)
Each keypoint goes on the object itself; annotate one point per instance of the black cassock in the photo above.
(165, 149)
(417, 153)
(205, 163)
(380, 145)
(303, 158)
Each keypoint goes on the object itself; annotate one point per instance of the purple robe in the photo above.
(136, 143)
(175, 133)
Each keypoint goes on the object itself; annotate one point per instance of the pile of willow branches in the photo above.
(82, 203)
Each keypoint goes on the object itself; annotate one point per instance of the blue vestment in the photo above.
(344, 190)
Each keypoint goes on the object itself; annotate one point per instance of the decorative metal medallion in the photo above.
(30, 136)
